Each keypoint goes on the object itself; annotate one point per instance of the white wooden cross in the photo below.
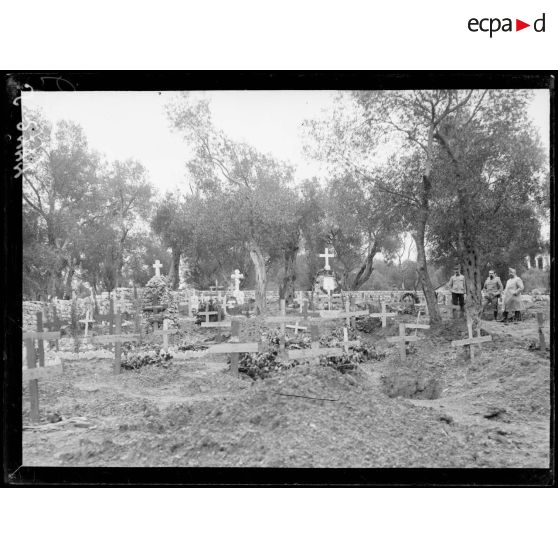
(347, 343)
(471, 341)
(383, 314)
(327, 255)
(216, 287)
(296, 327)
(315, 351)
(157, 265)
(165, 332)
(236, 277)
(401, 340)
(87, 321)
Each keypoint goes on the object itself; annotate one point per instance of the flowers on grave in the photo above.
(133, 360)
(158, 293)
(187, 346)
(260, 365)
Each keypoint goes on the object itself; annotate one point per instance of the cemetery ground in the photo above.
(436, 409)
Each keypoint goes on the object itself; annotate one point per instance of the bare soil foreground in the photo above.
(436, 410)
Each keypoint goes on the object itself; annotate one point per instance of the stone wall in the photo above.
(125, 299)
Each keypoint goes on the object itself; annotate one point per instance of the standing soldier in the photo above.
(512, 296)
(456, 286)
(492, 291)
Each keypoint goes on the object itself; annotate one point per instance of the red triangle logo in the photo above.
(519, 25)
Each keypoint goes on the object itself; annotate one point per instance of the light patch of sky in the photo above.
(130, 124)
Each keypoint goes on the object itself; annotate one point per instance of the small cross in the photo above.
(157, 265)
(383, 314)
(471, 341)
(327, 255)
(402, 340)
(237, 276)
(207, 313)
(296, 327)
(216, 287)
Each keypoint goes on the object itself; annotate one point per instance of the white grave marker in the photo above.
(157, 265)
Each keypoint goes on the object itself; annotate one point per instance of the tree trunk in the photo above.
(365, 270)
(286, 287)
(94, 293)
(261, 277)
(422, 270)
(174, 273)
(467, 240)
(68, 283)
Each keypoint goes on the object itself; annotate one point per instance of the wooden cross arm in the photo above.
(118, 338)
(309, 353)
(278, 319)
(403, 338)
(41, 335)
(377, 315)
(334, 315)
(417, 326)
(296, 326)
(235, 348)
(216, 324)
(42, 372)
(471, 341)
(161, 332)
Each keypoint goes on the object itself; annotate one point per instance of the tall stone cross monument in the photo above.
(236, 277)
(327, 255)
(157, 265)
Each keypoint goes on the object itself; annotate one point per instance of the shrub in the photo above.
(536, 279)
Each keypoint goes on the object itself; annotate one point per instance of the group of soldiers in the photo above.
(493, 291)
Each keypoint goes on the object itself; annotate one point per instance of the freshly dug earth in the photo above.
(435, 410)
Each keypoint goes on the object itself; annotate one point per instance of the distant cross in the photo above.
(87, 321)
(300, 301)
(383, 314)
(207, 313)
(216, 287)
(237, 276)
(157, 265)
(327, 255)
(296, 327)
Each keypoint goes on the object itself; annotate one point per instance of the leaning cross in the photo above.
(470, 341)
(327, 255)
(157, 265)
(237, 276)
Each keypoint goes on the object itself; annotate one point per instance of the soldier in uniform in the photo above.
(512, 296)
(456, 286)
(492, 291)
